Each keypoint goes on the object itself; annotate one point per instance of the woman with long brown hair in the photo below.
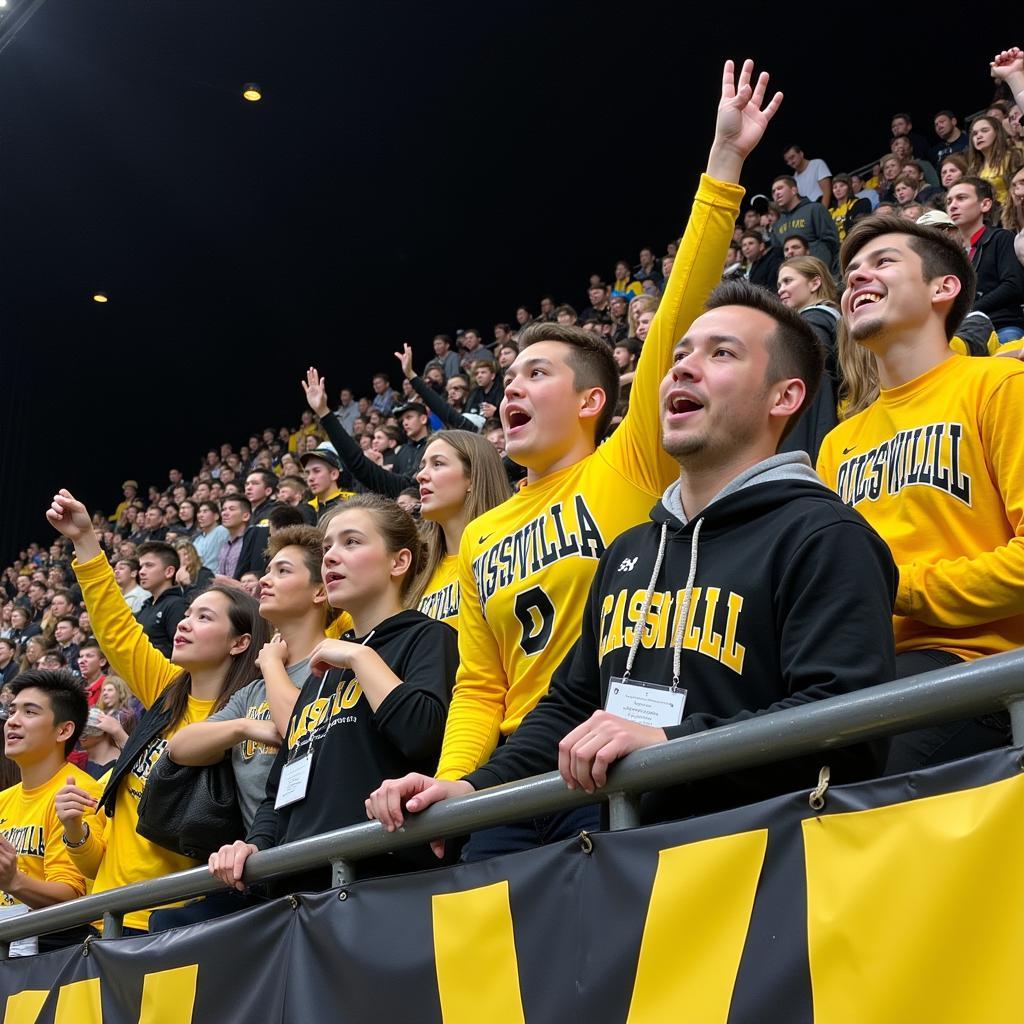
(992, 155)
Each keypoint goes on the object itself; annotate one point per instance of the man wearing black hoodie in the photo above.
(728, 603)
(809, 220)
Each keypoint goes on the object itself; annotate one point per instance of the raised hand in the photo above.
(274, 650)
(315, 388)
(71, 804)
(743, 115)
(69, 516)
(405, 358)
(1007, 63)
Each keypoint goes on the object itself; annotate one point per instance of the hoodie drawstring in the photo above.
(684, 612)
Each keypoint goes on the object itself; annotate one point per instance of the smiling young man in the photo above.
(45, 720)
(525, 567)
(935, 464)
(723, 607)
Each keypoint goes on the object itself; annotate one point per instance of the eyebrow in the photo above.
(349, 531)
(28, 705)
(873, 255)
(715, 339)
(532, 361)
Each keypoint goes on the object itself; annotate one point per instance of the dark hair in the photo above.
(945, 113)
(444, 338)
(793, 349)
(244, 617)
(982, 188)
(67, 698)
(132, 563)
(939, 255)
(753, 234)
(566, 308)
(590, 359)
(238, 499)
(268, 478)
(787, 178)
(91, 641)
(309, 538)
(792, 145)
(212, 506)
(165, 552)
(73, 619)
(284, 516)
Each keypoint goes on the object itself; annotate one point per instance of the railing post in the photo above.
(1017, 722)
(623, 811)
(342, 873)
(5, 950)
(113, 925)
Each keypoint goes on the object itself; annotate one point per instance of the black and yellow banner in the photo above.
(899, 902)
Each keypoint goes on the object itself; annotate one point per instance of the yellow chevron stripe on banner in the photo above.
(169, 996)
(696, 926)
(475, 956)
(914, 909)
(79, 1003)
(24, 1007)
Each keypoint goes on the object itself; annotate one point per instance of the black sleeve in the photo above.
(253, 557)
(974, 331)
(861, 208)
(413, 715)
(369, 474)
(835, 636)
(264, 832)
(437, 405)
(573, 696)
(1009, 292)
(174, 612)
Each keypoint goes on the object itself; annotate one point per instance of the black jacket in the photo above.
(492, 395)
(373, 477)
(815, 224)
(765, 269)
(408, 457)
(253, 556)
(1000, 278)
(791, 602)
(362, 747)
(160, 619)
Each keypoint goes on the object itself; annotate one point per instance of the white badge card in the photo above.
(294, 780)
(645, 703)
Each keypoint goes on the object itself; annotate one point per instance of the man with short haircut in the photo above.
(154, 523)
(795, 245)
(210, 537)
(472, 347)
(235, 516)
(485, 398)
(913, 173)
(935, 464)
(457, 391)
(648, 269)
(1000, 275)
(951, 139)
(92, 667)
(598, 296)
(260, 485)
(765, 626)
(64, 634)
(293, 493)
(8, 659)
(904, 152)
(762, 261)
(445, 356)
(165, 607)
(813, 177)
(347, 410)
(802, 217)
(45, 719)
(323, 470)
(384, 397)
(902, 127)
(38, 601)
(526, 565)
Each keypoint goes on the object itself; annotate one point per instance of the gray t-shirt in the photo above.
(251, 761)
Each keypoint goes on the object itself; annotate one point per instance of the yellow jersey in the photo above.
(936, 466)
(525, 567)
(117, 855)
(28, 821)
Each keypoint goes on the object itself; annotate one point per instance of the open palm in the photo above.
(742, 113)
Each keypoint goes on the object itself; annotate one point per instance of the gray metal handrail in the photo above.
(959, 691)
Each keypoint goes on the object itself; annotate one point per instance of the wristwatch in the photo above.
(81, 842)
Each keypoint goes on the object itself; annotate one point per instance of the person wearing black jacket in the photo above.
(376, 704)
(727, 604)
(416, 427)
(764, 260)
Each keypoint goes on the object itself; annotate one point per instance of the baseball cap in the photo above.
(130, 483)
(326, 452)
(936, 219)
(405, 407)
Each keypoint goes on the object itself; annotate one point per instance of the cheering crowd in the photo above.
(779, 464)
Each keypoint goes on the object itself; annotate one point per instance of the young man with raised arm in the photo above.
(525, 567)
(935, 464)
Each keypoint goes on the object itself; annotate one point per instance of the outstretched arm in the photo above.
(431, 399)
(743, 116)
(1008, 67)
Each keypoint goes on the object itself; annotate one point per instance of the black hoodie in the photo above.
(362, 747)
(791, 601)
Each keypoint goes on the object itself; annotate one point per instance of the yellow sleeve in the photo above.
(124, 642)
(339, 626)
(478, 700)
(635, 448)
(58, 863)
(989, 586)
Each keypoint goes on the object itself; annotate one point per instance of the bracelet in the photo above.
(81, 842)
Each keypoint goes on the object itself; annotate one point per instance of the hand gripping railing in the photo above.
(960, 691)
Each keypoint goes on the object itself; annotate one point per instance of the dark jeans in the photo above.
(937, 744)
(219, 904)
(531, 833)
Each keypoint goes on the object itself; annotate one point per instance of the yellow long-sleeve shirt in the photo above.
(29, 822)
(118, 855)
(525, 567)
(937, 467)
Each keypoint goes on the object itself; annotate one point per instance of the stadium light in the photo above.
(3, 3)
(100, 297)
(251, 92)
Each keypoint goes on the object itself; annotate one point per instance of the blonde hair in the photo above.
(811, 267)
(123, 693)
(859, 373)
(488, 486)
(641, 304)
(190, 557)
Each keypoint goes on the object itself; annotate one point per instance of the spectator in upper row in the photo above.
(902, 127)
(165, 607)
(445, 357)
(813, 178)
(802, 217)
(904, 152)
(992, 157)
(951, 139)
(384, 397)
(485, 398)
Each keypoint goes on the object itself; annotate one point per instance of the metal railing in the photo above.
(960, 691)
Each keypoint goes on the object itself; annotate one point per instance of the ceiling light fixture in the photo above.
(251, 92)
(100, 297)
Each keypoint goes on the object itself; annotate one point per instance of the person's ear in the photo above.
(592, 402)
(946, 288)
(400, 562)
(787, 397)
(241, 644)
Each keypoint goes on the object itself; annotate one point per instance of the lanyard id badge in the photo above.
(648, 704)
(294, 780)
